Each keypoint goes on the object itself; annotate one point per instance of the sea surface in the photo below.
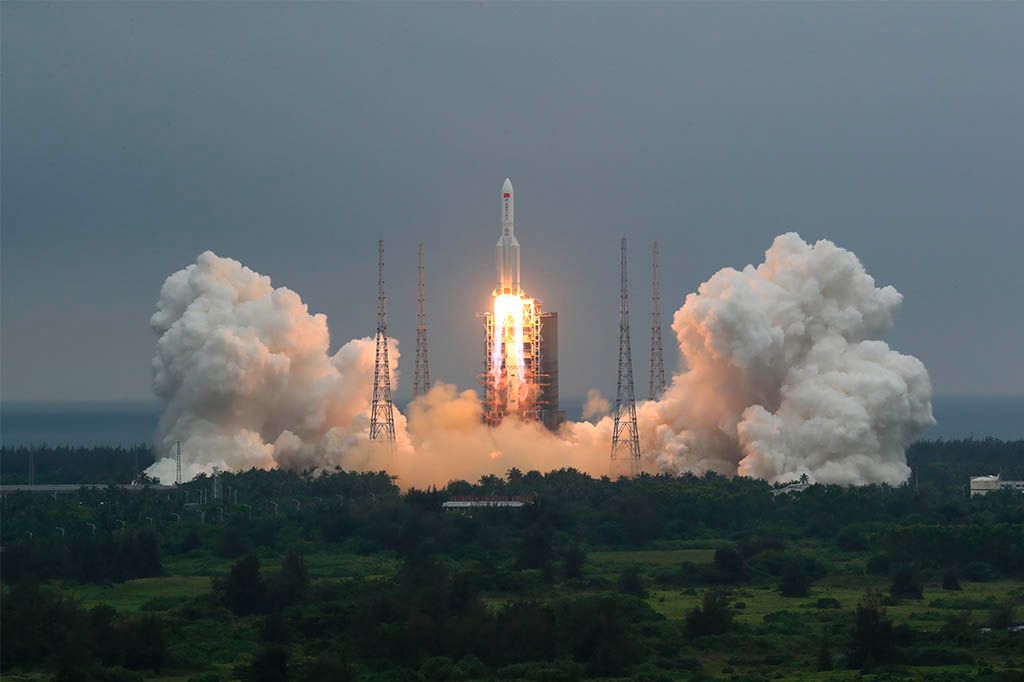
(133, 423)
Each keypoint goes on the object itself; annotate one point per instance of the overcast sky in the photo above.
(292, 136)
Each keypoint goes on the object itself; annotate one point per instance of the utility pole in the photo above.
(177, 461)
(656, 378)
(625, 437)
(382, 416)
(421, 378)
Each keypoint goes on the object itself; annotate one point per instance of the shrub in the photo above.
(728, 560)
(851, 540)
(712, 617)
(977, 571)
(906, 583)
(270, 664)
(575, 557)
(1002, 616)
(630, 582)
(879, 564)
(950, 581)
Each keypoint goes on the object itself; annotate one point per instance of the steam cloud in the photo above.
(781, 380)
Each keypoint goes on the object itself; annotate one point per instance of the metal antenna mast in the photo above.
(656, 379)
(177, 461)
(382, 416)
(421, 378)
(625, 437)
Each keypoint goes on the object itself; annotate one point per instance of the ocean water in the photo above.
(134, 423)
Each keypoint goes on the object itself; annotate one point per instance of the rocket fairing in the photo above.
(508, 245)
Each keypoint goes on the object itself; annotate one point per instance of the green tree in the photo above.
(575, 557)
(871, 640)
(824, 662)
(795, 581)
(270, 664)
(293, 580)
(328, 667)
(906, 583)
(275, 628)
(144, 642)
(535, 549)
(244, 590)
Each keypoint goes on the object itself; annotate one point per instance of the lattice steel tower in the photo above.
(656, 378)
(382, 414)
(421, 377)
(625, 437)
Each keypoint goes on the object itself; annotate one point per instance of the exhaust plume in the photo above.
(781, 380)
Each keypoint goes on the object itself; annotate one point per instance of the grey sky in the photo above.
(293, 136)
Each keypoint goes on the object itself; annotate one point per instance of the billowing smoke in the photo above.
(246, 377)
(596, 406)
(781, 380)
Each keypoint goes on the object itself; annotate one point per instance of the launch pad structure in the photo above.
(520, 363)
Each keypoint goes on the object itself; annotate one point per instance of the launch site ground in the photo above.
(190, 580)
(344, 577)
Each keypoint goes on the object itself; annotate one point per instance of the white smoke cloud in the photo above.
(246, 377)
(781, 380)
(596, 406)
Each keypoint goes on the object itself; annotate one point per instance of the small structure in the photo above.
(470, 503)
(791, 488)
(983, 485)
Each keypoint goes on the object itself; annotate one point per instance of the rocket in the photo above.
(508, 245)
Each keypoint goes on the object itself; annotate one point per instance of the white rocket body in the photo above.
(508, 245)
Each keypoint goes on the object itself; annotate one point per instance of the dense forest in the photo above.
(343, 576)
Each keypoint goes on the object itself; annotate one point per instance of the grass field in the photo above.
(226, 642)
(190, 577)
(132, 595)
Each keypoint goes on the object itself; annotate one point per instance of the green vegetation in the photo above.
(340, 576)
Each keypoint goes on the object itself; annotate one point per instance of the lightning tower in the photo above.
(421, 377)
(177, 463)
(625, 437)
(656, 379)
(382, 415)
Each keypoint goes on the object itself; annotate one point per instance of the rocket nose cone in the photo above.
(507, 187)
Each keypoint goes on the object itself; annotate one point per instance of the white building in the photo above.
(983, 485)
(466, 503)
